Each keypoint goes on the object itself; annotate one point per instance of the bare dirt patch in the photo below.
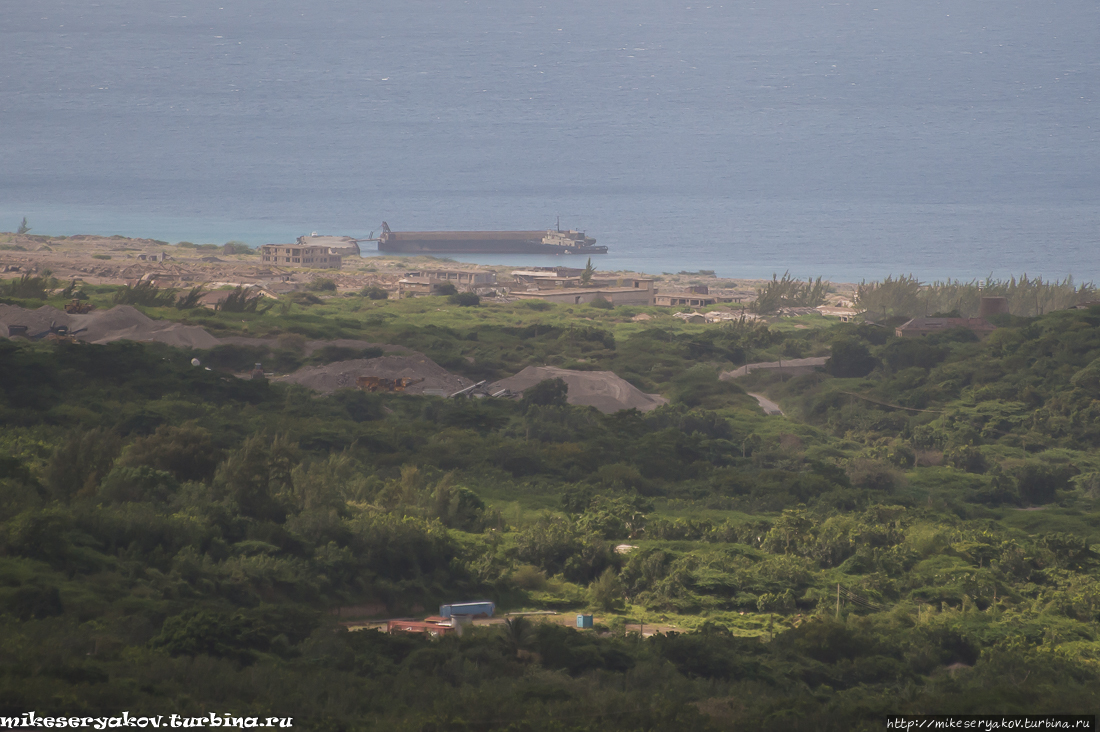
(122, 322)
(600, 389)
(342, 374)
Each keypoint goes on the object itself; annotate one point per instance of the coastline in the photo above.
(115, 260)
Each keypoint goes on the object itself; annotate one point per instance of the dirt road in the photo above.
(766, 404)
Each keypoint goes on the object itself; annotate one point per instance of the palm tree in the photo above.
(517, 634)
(589, 270)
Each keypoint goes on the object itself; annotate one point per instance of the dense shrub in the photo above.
(374, 292)
(850, 359)
(464, 299)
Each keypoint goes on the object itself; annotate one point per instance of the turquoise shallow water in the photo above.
(850, 140)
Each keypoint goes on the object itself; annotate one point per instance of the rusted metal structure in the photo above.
(379, 383)
(548, 241)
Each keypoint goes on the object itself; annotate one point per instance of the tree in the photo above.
(211, 632)
(788, 292)
(447, 288)
(900, 297)
(850, 359)
(607, 592)
(189, 453)
(23, 228)
(589, 270)
(237, 247)
(1038, 484)
(464, 299)
(242, 300)
(518, 633)
(80, 462)
(547, 393)
(257, 477)
(375, 292)
(191, 300)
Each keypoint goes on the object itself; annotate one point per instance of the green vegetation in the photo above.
(908, 298)
(917, 535)
(787, 292)
(589, 270)
(30, 288)
(145, 293)
(375, 293)
(242, 300)
(464, 299)
(237, 247)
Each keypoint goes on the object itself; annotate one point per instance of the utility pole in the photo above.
(838, 601)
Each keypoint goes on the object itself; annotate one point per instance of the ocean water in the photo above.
(844, 139)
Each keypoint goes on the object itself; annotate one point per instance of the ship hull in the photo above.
(493, 242)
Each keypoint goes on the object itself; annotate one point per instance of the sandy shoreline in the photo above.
(101, 260)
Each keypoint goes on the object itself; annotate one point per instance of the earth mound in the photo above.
(37, 321)
(600, 389)
(122, 322)
(342, 374)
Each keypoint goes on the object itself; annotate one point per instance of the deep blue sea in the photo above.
(844, 139)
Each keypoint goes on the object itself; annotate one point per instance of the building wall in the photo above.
(457, 276)
(615, 296)
(298, 256)
(684, 299)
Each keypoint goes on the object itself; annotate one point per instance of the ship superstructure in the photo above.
(550, 241)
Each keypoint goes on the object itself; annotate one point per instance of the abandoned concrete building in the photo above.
(632, 292)
(682, 299)
(344, 246)
(535, 274)
(295, 255)
(458, 277)
(428, 281)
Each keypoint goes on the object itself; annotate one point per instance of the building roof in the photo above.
(449, 270)
(328, 241)
(572, 291)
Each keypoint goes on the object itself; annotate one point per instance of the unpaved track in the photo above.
(791, 366)
(766, 404)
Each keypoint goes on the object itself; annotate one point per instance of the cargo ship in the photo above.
(551, 241)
